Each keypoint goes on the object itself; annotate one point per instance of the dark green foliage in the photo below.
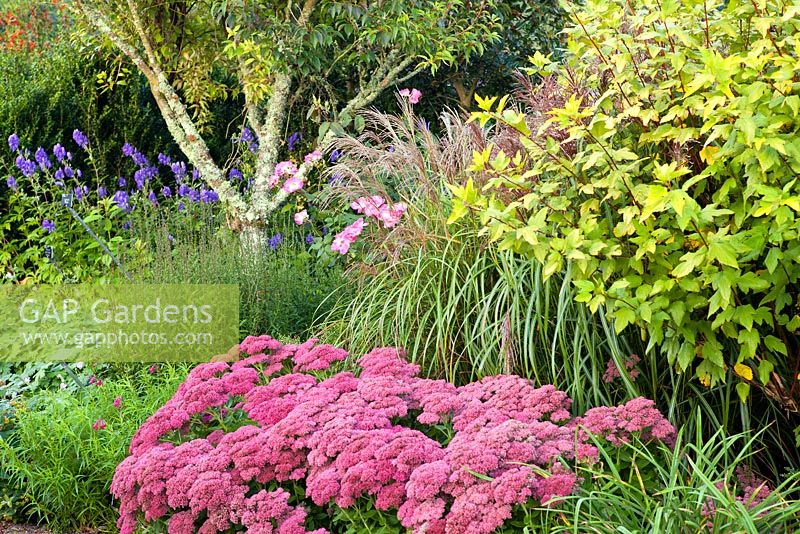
(45, 96)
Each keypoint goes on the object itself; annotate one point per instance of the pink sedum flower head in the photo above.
(313, 157)
(301, 217)
(223, 452)
(293, 184)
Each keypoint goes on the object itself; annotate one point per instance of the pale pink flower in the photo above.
(313, 157)
(293, 184)
(285, 168)
(413, 95)
(301, 217)
(348, 236)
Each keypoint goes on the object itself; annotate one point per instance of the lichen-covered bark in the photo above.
(267, 121)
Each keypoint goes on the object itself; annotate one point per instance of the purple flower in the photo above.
(208, 196)
(178, 169)
(275, 241)
(195, 174)
(166, 191)
(163, 159)
(126, 225)
(59, 152)
(121, 199)
(128, 150)
(11, 182)
(253, 147)
(235, 174)
(247, 135)
(68, 172)
(183, 190)
(13, 142)
(122, 182)
(80, 192)
(152, 198)
(48, 225)
(25, 165)
(101, 192)
(59, 177)
(194, 195)
(310, 239)
(80, 139)
(170, 237)
(144, 175)
(181, 206)
(337, 176)
(335, 155)
(295, 138)
(140, 160)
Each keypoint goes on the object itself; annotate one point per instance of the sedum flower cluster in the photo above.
(236, 439)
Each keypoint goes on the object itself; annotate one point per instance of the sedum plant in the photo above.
(272, 442)
(660, 167)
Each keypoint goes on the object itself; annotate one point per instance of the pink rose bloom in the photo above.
(413, 95)
(118, 402)
(313, 157)
(340, 245)
(301, 217)
(348, 236)
(293, 184)
(369, 206)
(285, 168)
(99, 425)
(390, 216)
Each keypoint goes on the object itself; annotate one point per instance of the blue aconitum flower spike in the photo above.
(295, 138)
(13, 142)
(59, 152)
(275, 241)
(80, 139)
(42, 159)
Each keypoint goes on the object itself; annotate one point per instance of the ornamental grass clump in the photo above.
(264, 442)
